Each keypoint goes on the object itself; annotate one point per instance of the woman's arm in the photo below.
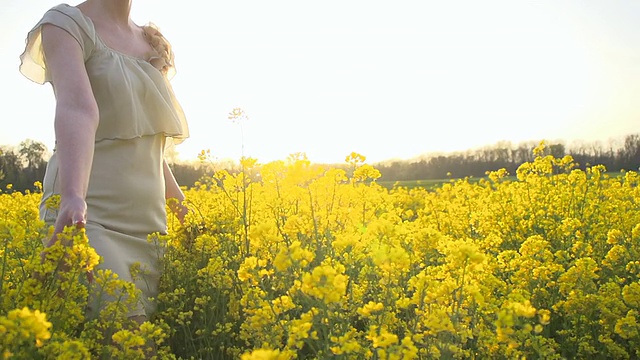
(174, 194)
(76, 121)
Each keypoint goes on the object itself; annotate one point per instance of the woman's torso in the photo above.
(138, 110)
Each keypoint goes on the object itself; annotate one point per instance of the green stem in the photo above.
(461, 288)
(4, 265)
(315, 224)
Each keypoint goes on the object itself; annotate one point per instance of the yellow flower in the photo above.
(247, 268)
(366, 172)
(545, 316)
(283, 304)
(369, 308)
(393, 260)
(381, 338)
(631, 295)
(354, 158)
(524, 309)
(267, 354)
(326, 283)
(300, 329)
(290, 255)
(614, 236)
(237, 114)
(127, 339)
(346, 344)
(21, 324)
(628, 326)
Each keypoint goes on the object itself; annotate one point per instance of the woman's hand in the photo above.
(181, 212)
(174, 195)
(178, 208)
(73, 211)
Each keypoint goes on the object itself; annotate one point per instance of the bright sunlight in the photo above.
(386, 80)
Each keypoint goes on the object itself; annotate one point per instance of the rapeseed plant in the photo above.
(290, 260)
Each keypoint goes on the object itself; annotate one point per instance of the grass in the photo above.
(429, 183)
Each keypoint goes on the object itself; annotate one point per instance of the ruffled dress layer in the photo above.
(139, 113)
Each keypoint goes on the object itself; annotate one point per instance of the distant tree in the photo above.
(33, 153)
(630, 152)
(617, 156)
(11, 169)
(23, 167)
(187, 174)
(1, 171)
(557, 150)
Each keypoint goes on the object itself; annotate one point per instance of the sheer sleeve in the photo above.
(32, 60)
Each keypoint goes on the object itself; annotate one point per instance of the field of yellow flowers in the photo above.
(288, 260)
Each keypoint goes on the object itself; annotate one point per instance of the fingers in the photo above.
(59, 228)
(79, 224)
(72, 212)
(90, 277)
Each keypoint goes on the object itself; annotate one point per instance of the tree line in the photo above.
(24, 165)
(616, 155)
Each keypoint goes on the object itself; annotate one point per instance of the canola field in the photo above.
(287, 260)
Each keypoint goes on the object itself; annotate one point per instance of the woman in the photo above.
(115, 113)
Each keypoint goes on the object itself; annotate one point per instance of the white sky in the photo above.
(387, 79)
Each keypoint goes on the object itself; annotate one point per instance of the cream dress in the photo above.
(138, 114)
